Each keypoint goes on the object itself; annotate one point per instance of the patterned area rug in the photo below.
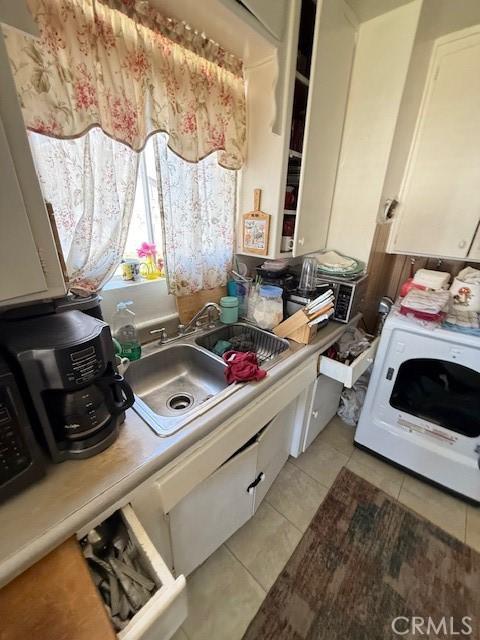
(368, 568)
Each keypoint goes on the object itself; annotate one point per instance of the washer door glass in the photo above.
(445, 393)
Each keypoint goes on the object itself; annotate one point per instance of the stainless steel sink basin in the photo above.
(172, 382)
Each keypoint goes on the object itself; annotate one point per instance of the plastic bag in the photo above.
(351, 344)
(351, 400)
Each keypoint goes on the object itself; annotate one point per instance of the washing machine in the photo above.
(422, 408)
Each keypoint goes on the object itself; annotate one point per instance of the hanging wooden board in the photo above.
(256, 228)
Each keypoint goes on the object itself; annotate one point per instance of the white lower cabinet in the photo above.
(325, 401)
(166, 610)
(213, 511)
(316, 406)
(206, 517)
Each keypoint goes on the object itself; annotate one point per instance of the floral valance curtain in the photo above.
(120, 65)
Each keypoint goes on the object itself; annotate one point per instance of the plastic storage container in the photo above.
(229, 309)
(266, 307)
(125, 331)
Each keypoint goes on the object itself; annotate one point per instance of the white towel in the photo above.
(426, 301)
(469, 275)
(430, 279)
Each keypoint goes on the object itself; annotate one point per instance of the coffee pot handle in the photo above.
(118, 393)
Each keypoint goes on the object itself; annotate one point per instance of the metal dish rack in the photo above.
(267, 346)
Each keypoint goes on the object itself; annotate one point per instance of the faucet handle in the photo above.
(162, 332)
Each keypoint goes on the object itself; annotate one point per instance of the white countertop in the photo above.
(77, 491)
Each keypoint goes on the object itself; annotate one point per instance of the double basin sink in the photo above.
(176, 382)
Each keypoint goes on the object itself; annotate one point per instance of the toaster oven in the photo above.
(349, 296)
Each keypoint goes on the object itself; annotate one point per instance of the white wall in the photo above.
(151, 303)
(380, 67)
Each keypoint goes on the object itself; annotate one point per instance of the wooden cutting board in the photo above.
(55, 599)
(256, 228)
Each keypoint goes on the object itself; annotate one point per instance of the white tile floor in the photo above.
(227, 590)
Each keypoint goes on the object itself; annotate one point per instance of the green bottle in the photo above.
(125, 331)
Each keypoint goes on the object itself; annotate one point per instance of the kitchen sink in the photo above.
(175, 382)
(172, 383)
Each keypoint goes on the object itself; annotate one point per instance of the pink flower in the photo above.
(47, 127)
(216, 137)
(189, 123)
(85, 94)
(124, 118)
(146, 249)
(137, 62)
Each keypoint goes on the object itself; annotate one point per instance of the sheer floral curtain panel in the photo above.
(197, 201)
(90, 183)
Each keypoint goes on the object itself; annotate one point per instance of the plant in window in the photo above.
(148, 250)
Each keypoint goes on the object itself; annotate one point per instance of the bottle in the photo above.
(124, 330)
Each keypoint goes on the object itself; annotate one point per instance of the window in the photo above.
(145, 225)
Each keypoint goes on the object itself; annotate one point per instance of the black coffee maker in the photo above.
(65, 368)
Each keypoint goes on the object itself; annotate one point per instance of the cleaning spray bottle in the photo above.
(125, 331)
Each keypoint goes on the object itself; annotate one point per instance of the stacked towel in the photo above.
(426, 305)
(429, 279)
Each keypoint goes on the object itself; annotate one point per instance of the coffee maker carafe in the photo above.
(65, 365)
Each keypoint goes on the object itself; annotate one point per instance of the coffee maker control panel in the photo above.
(14, 456)
(84, 365)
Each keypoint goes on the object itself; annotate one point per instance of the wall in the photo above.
(381, 63)
(152, 305)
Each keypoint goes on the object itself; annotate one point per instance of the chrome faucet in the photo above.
(207, 309)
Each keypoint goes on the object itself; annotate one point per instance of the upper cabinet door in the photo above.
(474, 253)
(29, 260)
(439, 206)
(22, 272)
(333, 49)
(271, 13)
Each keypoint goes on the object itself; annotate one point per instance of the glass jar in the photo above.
(229, 309)
(267, 311)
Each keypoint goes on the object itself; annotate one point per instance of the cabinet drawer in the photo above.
(167, 609)
(163, 614)
(348, 374)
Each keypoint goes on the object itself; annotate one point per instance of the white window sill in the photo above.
(117, 282)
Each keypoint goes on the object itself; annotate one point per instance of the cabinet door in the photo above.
(271, 13)
(213, 511)
(439, 209)
(333, 48)
(474, 253)
(20, 264)
(273, 449)
(326, 397)
(23, 216)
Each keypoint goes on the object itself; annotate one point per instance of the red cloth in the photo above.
(242, 367)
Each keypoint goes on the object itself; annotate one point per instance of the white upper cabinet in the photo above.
(296, 104)
(474, 253)
(28, 255)
(333, 49)
(271, 13)
(439, 209)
